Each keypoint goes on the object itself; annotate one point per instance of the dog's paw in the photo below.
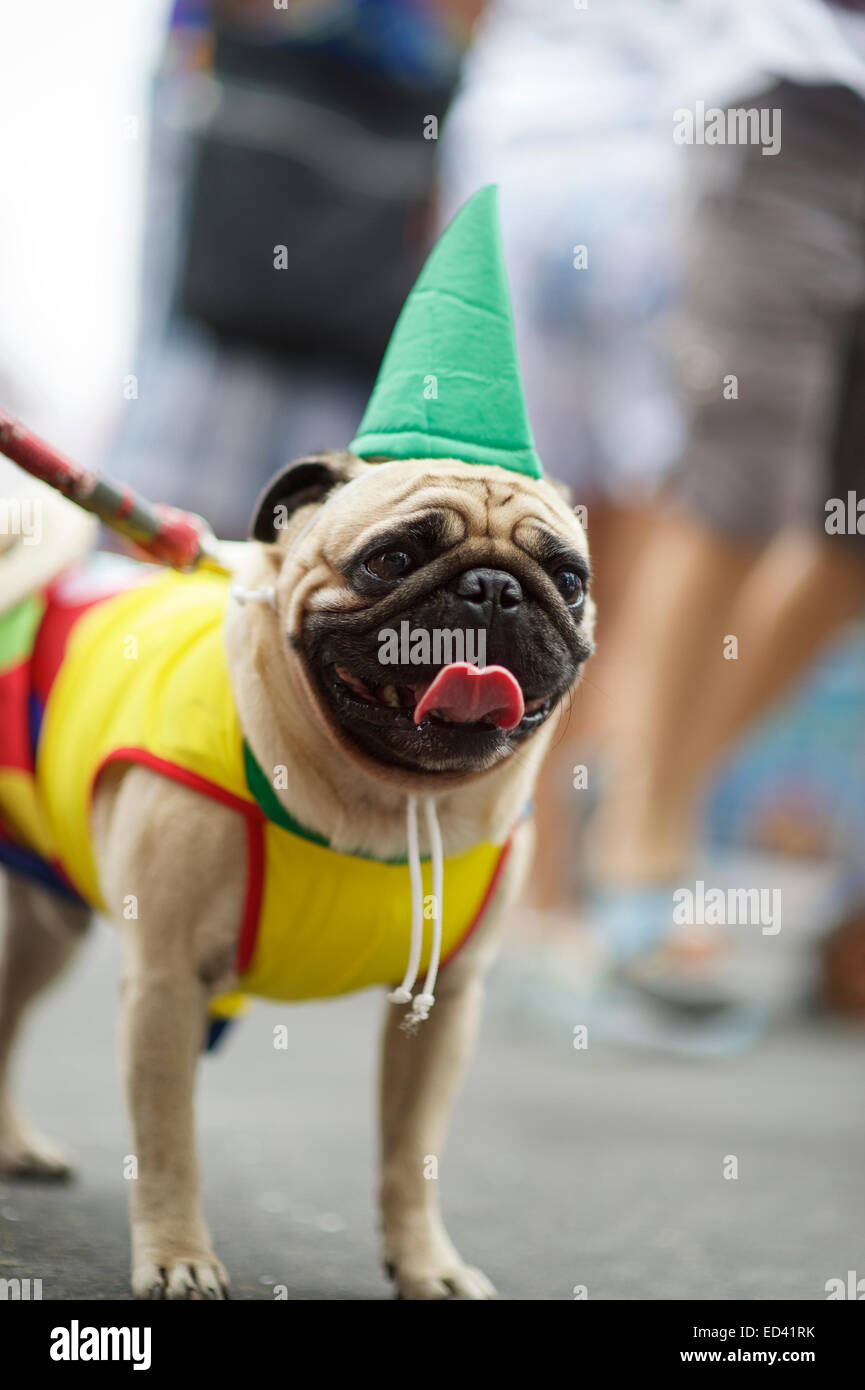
(453, 1280)
(195, 1277)
(27, 1155)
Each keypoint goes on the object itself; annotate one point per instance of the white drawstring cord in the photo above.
(267, 594)
(402, 995)
(422, 1003)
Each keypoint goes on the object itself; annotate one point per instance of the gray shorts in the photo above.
(775, 298)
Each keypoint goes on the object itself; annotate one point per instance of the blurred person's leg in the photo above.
(775, 289)
(801, 593)
(804, 590)
(788, 608)
(678, 618)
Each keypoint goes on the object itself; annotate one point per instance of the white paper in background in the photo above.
(73, 130)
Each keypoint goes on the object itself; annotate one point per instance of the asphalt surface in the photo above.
(599, 1168)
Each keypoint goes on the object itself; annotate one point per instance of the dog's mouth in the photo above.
(472, 700)
(451, 717)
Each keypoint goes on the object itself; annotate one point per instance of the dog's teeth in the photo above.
(389, 695)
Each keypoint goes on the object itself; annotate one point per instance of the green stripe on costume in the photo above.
(268, 801)
(18, 630)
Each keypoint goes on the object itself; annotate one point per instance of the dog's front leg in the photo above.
(163, 1025)
(420, 1074)
(173, 875)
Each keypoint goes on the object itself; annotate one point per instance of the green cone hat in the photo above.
(449, 385)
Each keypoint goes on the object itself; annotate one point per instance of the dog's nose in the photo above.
(489, 588)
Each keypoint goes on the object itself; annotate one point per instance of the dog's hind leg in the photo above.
(41, 934)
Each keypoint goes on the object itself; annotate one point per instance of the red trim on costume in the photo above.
(14, 731)
(58, 623)
(255, 845)
(177, 773)
(254, 833)
(255, 851)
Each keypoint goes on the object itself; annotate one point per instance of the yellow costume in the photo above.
(144, 679)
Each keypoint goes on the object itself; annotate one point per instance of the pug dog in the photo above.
(342, 551)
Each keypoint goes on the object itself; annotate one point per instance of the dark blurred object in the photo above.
(844, 967)
(328, 159)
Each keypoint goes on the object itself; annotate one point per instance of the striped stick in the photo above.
(167, 535)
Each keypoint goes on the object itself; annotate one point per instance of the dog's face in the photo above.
(391, 572)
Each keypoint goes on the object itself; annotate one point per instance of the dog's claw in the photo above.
(193, 1280)
(462, 1283)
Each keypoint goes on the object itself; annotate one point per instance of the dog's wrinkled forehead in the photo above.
(465, 500)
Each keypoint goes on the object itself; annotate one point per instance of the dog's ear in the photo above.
(308, 480)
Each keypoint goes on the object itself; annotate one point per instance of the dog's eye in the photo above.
(570, 587)
(389, 564)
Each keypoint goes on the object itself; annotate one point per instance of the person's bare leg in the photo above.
(684, 593)
(800, 594)
(786, 610)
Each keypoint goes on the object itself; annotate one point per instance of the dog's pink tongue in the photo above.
(468, 694)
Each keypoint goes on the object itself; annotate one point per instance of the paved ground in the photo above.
(599, 1168)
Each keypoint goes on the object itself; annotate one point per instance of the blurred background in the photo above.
(213, 210)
